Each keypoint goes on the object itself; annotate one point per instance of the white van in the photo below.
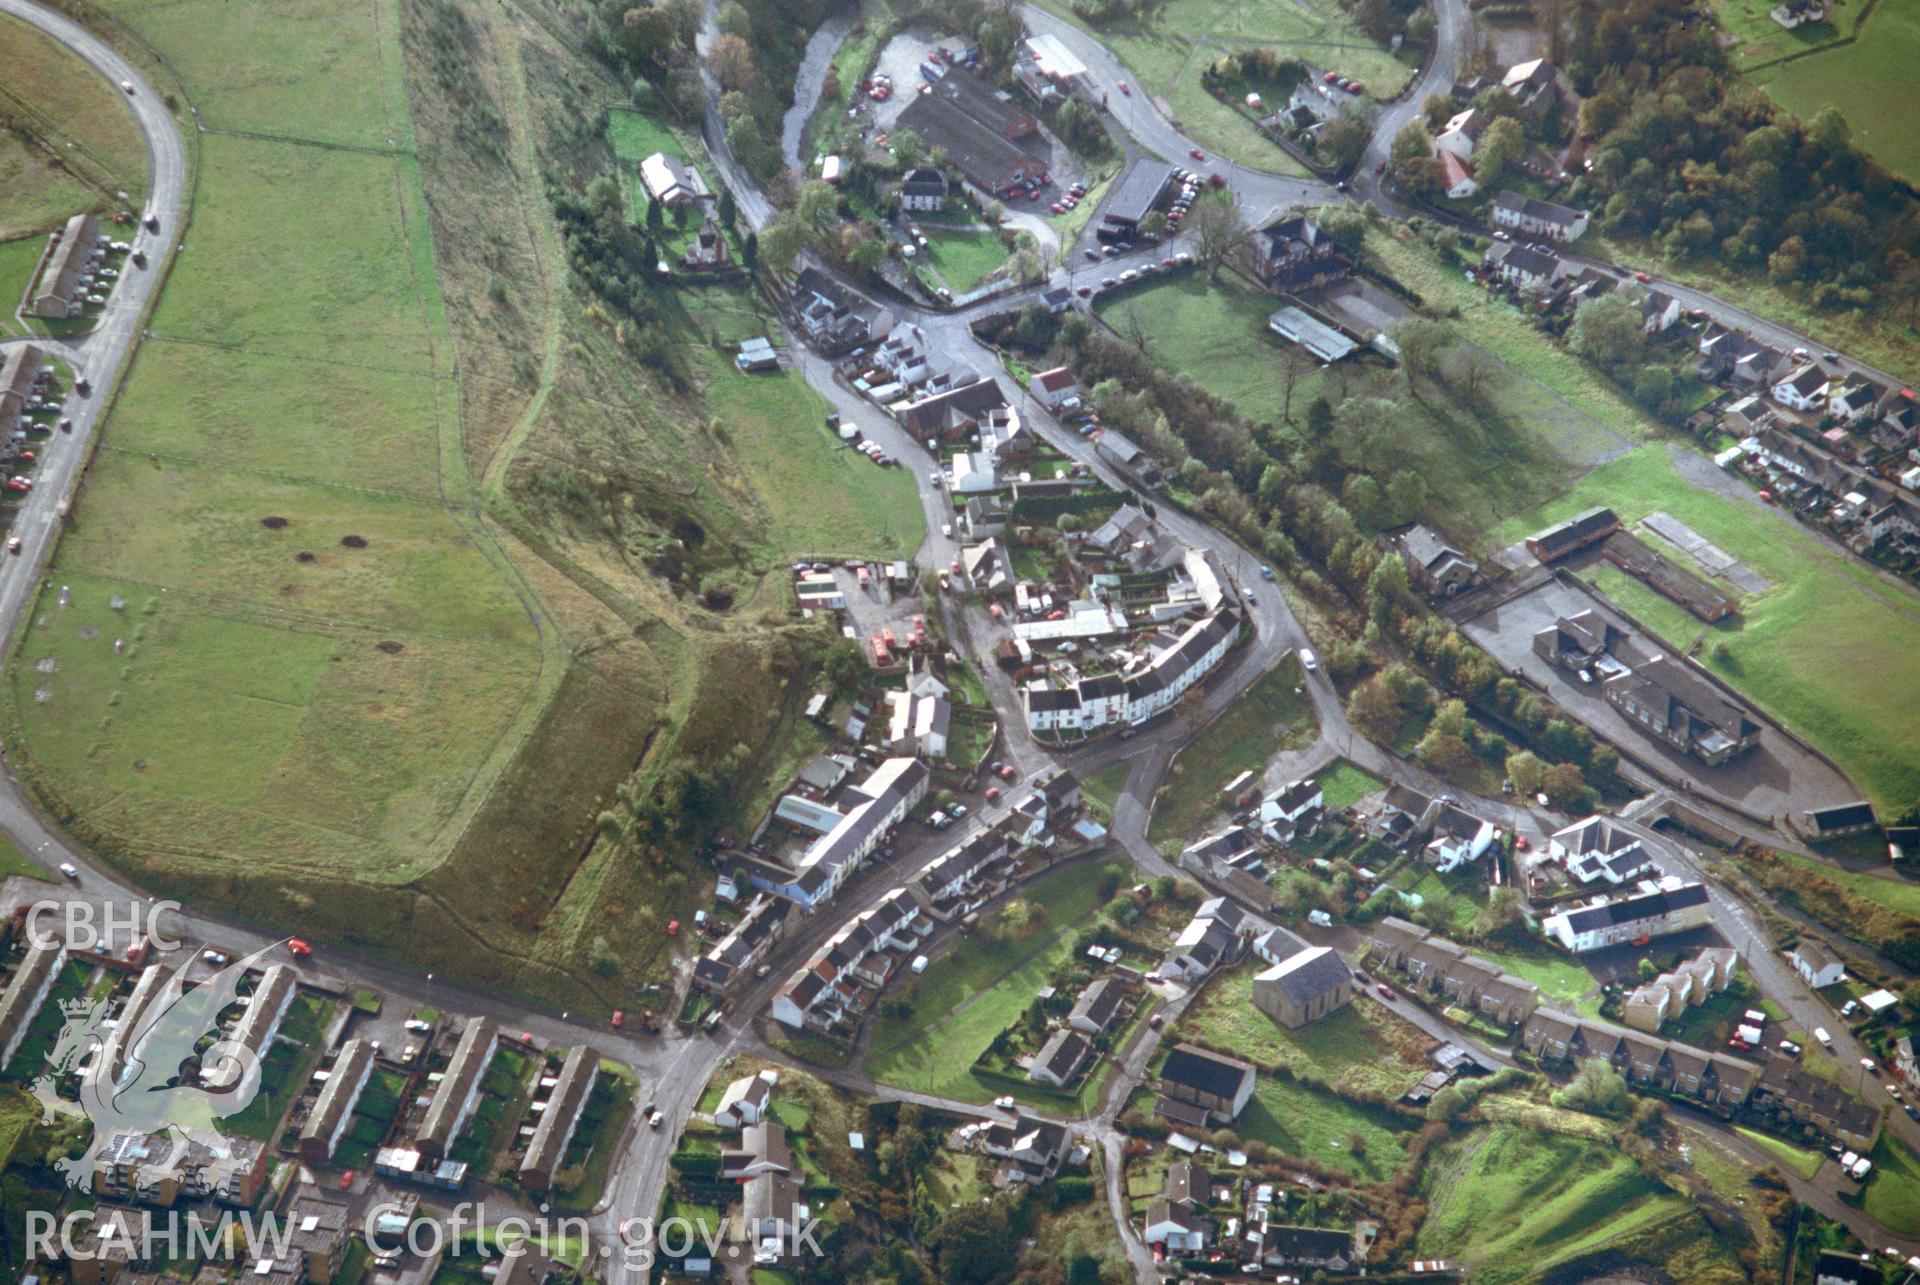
(1308, 661)
(1820, 1033)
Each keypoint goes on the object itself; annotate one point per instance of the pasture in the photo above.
(1509, 1202)
(1871, 80)
(1821, 651)
(50, 96)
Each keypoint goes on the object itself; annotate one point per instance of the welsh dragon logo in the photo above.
(135, 1075)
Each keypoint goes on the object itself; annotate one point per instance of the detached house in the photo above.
(1658, 311)
(1292, 253)
(923, 191)
(1521, 265)
(1175, 1229)
(1818, 967)
(1856, 401)
(1532, 85)
(1805, 389)
(1459, 838)
(1462, 133)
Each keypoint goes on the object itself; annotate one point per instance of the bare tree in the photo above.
(1472, 371)
(1293, 364)
(1219, 229)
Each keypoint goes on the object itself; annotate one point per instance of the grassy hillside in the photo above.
(403, 581)
(50, 99)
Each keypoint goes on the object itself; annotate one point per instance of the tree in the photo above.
(1407, 494)
(1502, 916)
(1597, 1089)
(734, 20)
(1653, 386)
(1647, 969)
(1606, 330)
(1374, 712)
(1566, 788)
(1218, 229)
(645, 35)
(732, 61)
(728, 211)
(974, 1244)
(1502, 145)
(1527, 773)
(750, 250)
(1471, 371)
(1420, 340)
(1343, 141)
(1363, 424)
(1445, 753)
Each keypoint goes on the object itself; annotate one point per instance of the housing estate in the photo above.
(459, 1090)
(1669, 995)
(272, 995)
(333, 1110)
(152, 1169)
(60, 289)
(1437, 966)
(26, 991)
(560, 1111)
(1654, 909)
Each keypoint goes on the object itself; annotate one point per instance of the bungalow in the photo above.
(1462, 133)
(1055, 389)
(1841, 820)
(1219, 1085)
(1187, 1185)
(1174, 1229)
(745, 1100)
(671, 181)
(1805, 389)
(1099, 1007)
(1304, 988)
(924, 191)
(1653, 913)
(1323, 1247)
(1060, 1059)
(1534, 217)
(773, 1217)
(1818, 967)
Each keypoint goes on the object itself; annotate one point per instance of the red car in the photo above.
(1355, 87)
(1126, 89)
(673, 927)
(993, 794)
(1381, 168)
(1642, 278)
(618, 1020)
(1197, 154)
(1005, 771)
(298, 946)
(1331, 77)
(1386, 991)
(346, 1181)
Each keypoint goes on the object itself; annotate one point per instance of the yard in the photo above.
(1267, 719)
(1322, 1127)
(981, 983)
(1820, 651)
(51, 95)
(1176, 42)
(963, 259)
(1892, 1194)
(1508, 1202)
(18, 258)
(1342, 784)
(1359, 1047)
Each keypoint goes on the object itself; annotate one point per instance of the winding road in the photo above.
(676, 1068)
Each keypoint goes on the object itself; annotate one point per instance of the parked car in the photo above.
(13, 544)
(1386, 991)
(299, 947)
(618, 1019)
(70, 870)
(1197, 154)
(215, 957)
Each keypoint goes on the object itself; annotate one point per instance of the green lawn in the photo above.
(1342, 784)
(978, 987)
(18, 258)
(50, 94)
(15, 862)
(1359, 1047)
(963, 259)
(1320, 1126)
(1452, 901)
(1267, 719)
(1795, 1160)
(1168, 51)
(1823, 650)
(1509, 1202)
(1871, 80)
(328, 692)
(1892, 1194)
(1103, 786)
(1563, 981)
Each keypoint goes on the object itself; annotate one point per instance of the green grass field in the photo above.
(1178, 40)
(977, 988)
(1892, 1194)
(1796, 1160)
(50, 95)
(1320, 1126)
(1342, 784)
(18, 258)
(1359, 1047)
(1268, 718)
(818, 496)
(1822, 650)
(1900, 895)
(1870, 80)
(1508, 1202)
(963, 259)
(1551, 418)
(1563, 981)
(1761, 40)
(315, 660)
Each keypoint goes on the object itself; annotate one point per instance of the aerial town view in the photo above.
(909, 641)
